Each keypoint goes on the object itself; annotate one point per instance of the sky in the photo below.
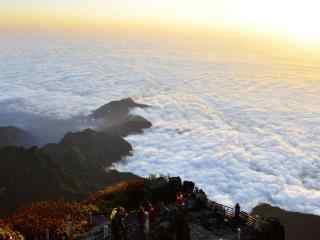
(293, 20)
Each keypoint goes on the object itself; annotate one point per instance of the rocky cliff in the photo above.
(71, 168)
(13, 136)
(297, 225)
(116, 118)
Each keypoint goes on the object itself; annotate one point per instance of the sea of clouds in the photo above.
(244, 131)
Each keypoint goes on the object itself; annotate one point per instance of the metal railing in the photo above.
(226, 211)
(229, 212)
(102, 232)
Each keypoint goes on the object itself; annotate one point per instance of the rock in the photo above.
(276, 229)
(68, 170)
(115, 110)
(12, 136)
(297, 225)
(85, 155)
(174, 186)
(115, 118)
(73, 167)
(201, 200)
(175, 183)
(197, 232)
(157, 189)
(27, 175)
(163, 231)
(181, 226)
(101, 148)
(165, 225)
(270, 229)
(188, 186)
(133, 124)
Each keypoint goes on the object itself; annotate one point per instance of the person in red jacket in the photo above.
(180, 199)
(141, 218)
(152, 211)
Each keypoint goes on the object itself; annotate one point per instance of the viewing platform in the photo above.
(200, 218)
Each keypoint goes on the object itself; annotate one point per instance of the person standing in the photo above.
(113, 224)
(162, 210)
(237, 211)
(152, 212)
(141, 220)
(116, 224)
(123, 228)
(180, 199)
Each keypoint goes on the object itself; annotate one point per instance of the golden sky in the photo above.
(292, 20)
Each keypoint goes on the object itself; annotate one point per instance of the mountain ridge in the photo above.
(69, 169)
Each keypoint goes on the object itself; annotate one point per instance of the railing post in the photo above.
(105, 231)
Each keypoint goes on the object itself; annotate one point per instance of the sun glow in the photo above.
(290, 19)
(298, 19)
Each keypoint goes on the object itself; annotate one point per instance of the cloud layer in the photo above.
(244, 131)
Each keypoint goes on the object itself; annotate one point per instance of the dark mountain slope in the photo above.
(12, 136)
(71, 168)
(68, 170)
(115, 118)
(297, 225)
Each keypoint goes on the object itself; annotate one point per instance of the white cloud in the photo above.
(245, 132)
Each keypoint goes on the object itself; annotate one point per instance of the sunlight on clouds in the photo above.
(245, 129)
(293, 19)
(298, 18)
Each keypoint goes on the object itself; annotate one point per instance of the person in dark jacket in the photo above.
(237, 211)
(117, 224)
(141, 221)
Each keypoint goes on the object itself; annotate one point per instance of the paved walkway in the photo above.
(133, 228)
(198, 232)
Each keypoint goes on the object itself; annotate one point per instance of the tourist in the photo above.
(152, 212)
(190, 201)
(237, 211)
(141, 220)
(180, 199)
(163, 210)
(123, 229)
(116, 224)
(113, 214)
(114, 229)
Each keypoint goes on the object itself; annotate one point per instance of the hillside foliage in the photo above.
(71, 218)
(56, 217)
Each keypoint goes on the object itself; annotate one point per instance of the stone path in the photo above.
(133, 228)
(199, 229)
(200, 233)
